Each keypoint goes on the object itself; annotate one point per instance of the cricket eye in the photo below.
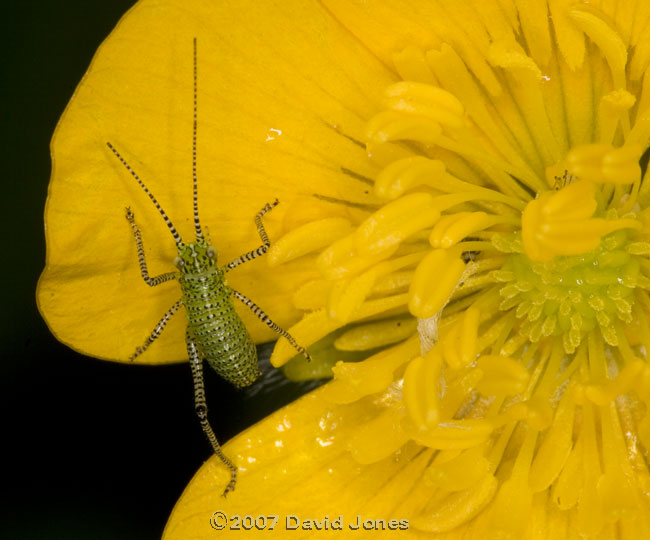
(211, 252)
(178, 262)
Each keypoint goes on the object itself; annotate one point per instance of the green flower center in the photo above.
(570, 296)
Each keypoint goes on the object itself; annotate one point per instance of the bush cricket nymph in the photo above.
(215, 332)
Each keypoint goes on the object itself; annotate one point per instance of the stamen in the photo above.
(348, 294)
(420, 393)
(307, 238)
(426, 101)
(343, 259)
(375, 335)
(396, 221)
(378, 438)
(607, 40)
(388, 126)
(560, 223)
(354, 380)
(459, 342)
(412, 65)
(613, 110)
(317, 324)
(602, 163)
(427, 296)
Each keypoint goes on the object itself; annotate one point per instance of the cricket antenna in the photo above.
(170, 225)
(197, 223)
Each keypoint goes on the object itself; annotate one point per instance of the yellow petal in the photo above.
(298, 456)
(252, 130)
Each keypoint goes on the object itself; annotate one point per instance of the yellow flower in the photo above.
(463, 198)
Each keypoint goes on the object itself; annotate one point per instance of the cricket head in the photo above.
(196, 258)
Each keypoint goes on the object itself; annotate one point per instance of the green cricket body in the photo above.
(213, 324)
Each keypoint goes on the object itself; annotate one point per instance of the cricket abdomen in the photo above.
(216, 329)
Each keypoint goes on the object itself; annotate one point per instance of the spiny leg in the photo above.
(157, 330)
(265, 239)
(265, 319)
(151, 281)
(201, 409)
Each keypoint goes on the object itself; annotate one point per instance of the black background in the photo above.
(91, 449)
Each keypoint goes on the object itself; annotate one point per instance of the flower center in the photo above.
(511, 252)
(571, 296)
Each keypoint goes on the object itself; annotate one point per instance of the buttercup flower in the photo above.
(465, 208)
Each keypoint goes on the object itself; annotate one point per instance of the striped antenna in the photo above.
(197, 224)
(170, 225)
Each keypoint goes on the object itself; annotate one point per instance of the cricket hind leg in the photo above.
(201, 408)
(157, 330)
(151, 281)
(266, 320)
(263, 236)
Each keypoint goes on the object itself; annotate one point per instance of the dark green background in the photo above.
(91, 449)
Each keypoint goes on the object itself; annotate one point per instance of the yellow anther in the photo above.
(618, 100)
(458, 507)
(537, 413)
(612, 111)
(574, 202)
(343, 259)
(461, 472)
(411, 65)
(458, 343)
(393, 283)
(451, 229)
(621, 165)
(511, 508)
(405, 173)
(307, 238)
(568, 486)
(434, 281)
(353, 380)
(456, 434)
(348, 294)
(376, 334)
(603, 163)
(312, 294)
(421, 388)
(560, 223)
(317, 324)
(508, 54)
(502, 376)
(604, 393)
(396, 221)
(642, 384)
(427, 101)
(308, 330)
(607, 39)
(644, 430)
(555, 447)
(378, 438)
(389, 126)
